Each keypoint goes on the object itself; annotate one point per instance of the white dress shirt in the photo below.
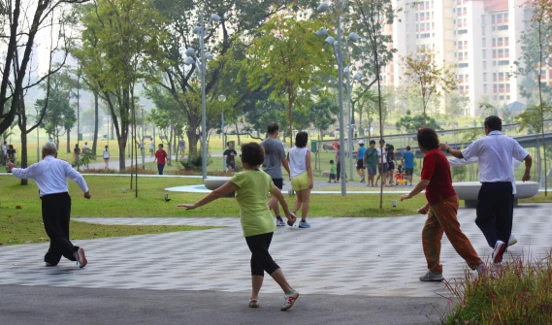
(51, 175)
(456, 162)
(495, 153)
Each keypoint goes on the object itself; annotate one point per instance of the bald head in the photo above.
(49, 149)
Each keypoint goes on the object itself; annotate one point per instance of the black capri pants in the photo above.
(261, 260)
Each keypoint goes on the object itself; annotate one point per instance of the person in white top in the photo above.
(50, 176)
(495, 205)
(383, 165)
(152, 146)
(4, 151)
(106, 157)
(86, 147)
(301, 176)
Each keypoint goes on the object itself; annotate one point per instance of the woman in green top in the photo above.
(252, 186)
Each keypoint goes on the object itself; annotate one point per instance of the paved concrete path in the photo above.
(338, 256)
(68, 306)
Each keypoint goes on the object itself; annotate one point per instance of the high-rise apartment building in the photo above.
(480, 37)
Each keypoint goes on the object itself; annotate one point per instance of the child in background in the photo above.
(399, 175)
(333, 172)
(252, 186)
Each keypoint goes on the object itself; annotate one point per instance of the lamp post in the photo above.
(203, 56)
(353, 37)
(222, 98)
(337, 47)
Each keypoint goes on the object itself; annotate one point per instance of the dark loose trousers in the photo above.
(495, 210)
(261, 260)
(160, 168)
(56, 214)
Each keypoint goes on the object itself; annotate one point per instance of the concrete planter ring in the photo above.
(214, 182)
(468, 192)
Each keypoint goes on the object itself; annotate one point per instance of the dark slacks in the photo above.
(56, 214)
(261, 260)
(338, 175)
(495, 211)
(160, 168)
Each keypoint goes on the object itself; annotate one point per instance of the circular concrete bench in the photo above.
(214, 182)
(468, 192)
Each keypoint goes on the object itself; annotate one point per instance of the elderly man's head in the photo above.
(49, 149)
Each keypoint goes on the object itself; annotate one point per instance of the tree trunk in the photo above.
(69, 141)
(193, 138)
(238, 133)
(96, 122)
(122, 142)
(24, 154)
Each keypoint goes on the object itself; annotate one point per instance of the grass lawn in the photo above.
(540, 198)
(24, 224)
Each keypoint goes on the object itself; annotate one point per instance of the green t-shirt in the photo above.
(371, 156)
(333, 169)
(252, 195)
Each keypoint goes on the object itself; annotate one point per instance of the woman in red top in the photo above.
(160, 157)
(442, 207)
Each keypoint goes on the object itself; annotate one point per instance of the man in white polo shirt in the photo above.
(50, 176)
(495, 206)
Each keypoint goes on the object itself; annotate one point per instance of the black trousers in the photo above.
(56, 214)
(261, 260)
(495, 211)
(338, 172)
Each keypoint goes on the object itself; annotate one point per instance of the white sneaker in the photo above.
(81, 258)
(512, 241)
(289, 300)
(498, 251)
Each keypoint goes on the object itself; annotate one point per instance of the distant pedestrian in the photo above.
(230, 154)
(301, 176)
(274, 159)
(151, 147)
(391, 164)
(338, 162)
(408, 162)
(251, 186)
(161, 158)
(360, 166)
(76, 155)
(50, 176)
(495, 202)
(371, 162)
(382, 163)
(12, 154)
(85, 148)
(106, 157)
(4, 152)
(333, 172)
(442, 207)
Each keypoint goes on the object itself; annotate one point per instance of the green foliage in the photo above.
(431, 80)
(322, 113)
(289, 59)
(411, 124)
(517, 293)
(530, 118)
(60, 115)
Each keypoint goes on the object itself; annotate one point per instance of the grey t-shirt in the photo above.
(274, 153)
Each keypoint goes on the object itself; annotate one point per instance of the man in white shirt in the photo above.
(495, 206)
(383, 165)
(86, 147)
(50, 176)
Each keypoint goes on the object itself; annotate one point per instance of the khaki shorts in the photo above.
(300, 182)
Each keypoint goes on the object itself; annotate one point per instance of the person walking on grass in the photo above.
(251, 186)
(495, 201)
(371, 162)
(391, 164)
(408, 162)
(360, 161)
(229, 155)
(301, 176)
(106, 157)
(275, 158)
(50, 176)
(161, 158)
(442, 209)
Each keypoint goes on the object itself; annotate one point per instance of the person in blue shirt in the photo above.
(360, 160)
(408, 162)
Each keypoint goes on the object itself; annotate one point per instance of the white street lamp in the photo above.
(191, 58)
(222, 98)
(353, 37)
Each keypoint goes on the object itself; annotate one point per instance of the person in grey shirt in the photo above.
(275, 157)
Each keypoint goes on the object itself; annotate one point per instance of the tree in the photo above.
(289, 58)
(20, 28)
(411, 124)
(431, 79)
(457, 104)
(120, 47)
(537, 54)
(60, 117)
(374, 15)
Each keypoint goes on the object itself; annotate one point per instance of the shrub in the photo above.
(520, 292)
